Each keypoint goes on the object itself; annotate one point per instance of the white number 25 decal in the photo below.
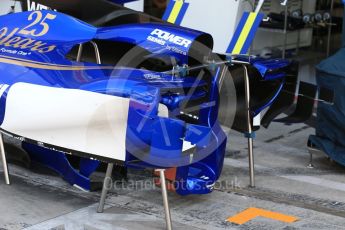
(37, 19)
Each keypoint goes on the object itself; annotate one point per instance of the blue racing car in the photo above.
(126, 88)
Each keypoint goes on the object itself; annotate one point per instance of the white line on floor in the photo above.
(317, 181)
(306, 179)
(241, 164)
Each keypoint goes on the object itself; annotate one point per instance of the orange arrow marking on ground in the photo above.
(252, 213)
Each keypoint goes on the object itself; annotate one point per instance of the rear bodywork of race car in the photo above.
(125, 93)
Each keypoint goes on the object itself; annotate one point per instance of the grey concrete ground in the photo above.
(39, 200)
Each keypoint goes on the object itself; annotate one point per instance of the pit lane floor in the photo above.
(40, 200)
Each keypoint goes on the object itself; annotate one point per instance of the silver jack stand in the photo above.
(313, 151)
(249, 127)
(165, 199)
(4, 161)
(310, 165)
(105, 188)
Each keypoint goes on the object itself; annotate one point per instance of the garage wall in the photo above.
(5, 6)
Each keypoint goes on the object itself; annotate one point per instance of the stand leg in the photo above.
(4, 161)
(165, 199)
(329, 31)
(249, 127)
(285, 30)
(251, 162)
(310, 165)
(105, 188)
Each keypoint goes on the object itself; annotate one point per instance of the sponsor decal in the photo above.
(151, 76)
(9, 39)
(9, 51)
(162, 37)
(33, 6)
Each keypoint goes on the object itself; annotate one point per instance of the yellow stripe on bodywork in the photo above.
(50, 66)
(175, 11)
(244, 34)
(31, 61)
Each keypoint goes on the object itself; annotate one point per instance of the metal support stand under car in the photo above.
(107, 185)
(4, 160)
(310, 165)
(165, 199)
(250, 133)
(313, 150)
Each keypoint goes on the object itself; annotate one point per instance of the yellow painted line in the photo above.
(50, 66)
(175, 11)
(245, 32)
(252, 213)
(31, 61)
